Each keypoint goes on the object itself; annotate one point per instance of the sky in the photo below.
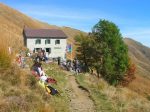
(131, 16)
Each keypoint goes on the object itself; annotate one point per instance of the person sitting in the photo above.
(43, 78)
(37, 68)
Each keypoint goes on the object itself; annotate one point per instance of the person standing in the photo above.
(58, 59)
(22, 61)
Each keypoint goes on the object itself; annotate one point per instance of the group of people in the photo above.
(37, 70)
(41, 56)
(73, 66)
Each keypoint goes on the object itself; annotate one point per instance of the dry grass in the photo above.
(19, 91)
(140, 55)
(11, 26)
(5, 57)
(12, 23)
(113, 99)
(16, 90)
(17, 94)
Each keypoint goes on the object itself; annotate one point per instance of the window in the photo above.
(57, 42)
(37, 49)
(47, 41)
(38, 41)
(48, 50)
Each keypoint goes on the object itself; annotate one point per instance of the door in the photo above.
(48, 52)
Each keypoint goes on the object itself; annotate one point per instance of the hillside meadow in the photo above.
(20, 92)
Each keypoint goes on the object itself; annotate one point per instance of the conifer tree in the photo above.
(114, 53)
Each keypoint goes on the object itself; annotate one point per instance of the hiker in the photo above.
(76, 66)
(18, 59)
(68, 65)
(38, 59)
(22, 60)
(58, 59)
(63, 65)
(43, 78)
(37, 68)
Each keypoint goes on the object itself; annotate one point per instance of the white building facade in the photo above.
(52, 41)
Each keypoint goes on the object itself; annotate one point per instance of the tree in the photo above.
(130, 74)
(84, 50)
(113, 51)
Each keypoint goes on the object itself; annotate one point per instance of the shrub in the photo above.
(130, 75)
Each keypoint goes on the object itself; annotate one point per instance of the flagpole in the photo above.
(71, 51)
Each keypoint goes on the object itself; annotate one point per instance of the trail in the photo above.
(80, 101)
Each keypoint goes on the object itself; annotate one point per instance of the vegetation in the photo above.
(85, 50)
(105, 51)
(112, 99)
(20, 91)
(5, 58)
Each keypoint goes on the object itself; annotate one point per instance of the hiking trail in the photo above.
(80, 100)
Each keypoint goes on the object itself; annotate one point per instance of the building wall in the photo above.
(57, 50)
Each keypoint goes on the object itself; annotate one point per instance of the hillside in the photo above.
(140, 55)
(12, 23)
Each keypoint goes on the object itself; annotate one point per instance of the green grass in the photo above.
(60, 103)
(100, 100)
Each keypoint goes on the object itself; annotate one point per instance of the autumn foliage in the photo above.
(130, 75)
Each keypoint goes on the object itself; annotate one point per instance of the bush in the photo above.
(130, 75)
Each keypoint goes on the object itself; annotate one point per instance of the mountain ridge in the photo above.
(13, 21)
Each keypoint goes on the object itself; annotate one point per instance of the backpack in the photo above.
(51, 80)
(51, 90)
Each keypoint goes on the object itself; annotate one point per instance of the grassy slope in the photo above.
(140, 55)
(111, 99)
(21, 92)
(26, 89)
(12, 23)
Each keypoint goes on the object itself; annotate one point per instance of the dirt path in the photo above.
(80, 101)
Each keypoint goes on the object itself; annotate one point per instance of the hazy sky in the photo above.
(131, 16)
